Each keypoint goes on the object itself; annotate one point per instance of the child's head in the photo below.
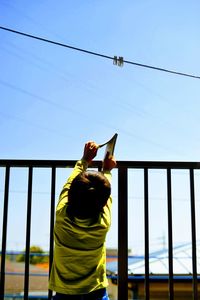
(88, 194)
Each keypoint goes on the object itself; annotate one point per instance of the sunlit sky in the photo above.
(54, 99)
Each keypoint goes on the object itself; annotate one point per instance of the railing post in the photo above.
(28, 233)
(4, 233)
(170, 236)
(52, 213)
(146, 233)
(193, 230)
(122, 234)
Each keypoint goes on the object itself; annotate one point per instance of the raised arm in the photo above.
(109, 163)
(89, 152)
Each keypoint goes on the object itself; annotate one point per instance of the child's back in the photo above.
(83, 218)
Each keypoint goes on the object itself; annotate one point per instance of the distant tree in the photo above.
(34, 259)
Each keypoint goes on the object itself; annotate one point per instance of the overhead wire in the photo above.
(128, 106)
(44, 64)
(52, 103)
(34, 125)
(98, 54)
(67, 108)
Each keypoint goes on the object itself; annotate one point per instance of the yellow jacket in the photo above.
(79, 264)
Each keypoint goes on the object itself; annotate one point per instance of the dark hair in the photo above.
(88, 194)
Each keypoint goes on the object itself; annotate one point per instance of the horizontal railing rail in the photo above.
(42, 163)
(122, 167)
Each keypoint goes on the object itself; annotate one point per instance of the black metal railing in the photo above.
(123, 167)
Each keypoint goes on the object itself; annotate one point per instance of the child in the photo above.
(83, 218)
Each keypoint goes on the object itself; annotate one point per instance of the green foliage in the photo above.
(9, 257)
(34, 259)
(20, 258)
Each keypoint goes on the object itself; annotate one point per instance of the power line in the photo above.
(56, 43)
(120, 60)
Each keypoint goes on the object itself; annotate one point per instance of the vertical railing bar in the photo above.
(4, 233)
(28, 232)
(193, 229)
(170, 235)
(146, 233)
(122, 234)
(52, 216)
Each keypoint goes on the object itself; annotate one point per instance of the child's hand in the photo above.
(109, 163)
(90, 151)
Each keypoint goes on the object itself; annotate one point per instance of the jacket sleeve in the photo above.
(108, 175)
(80, 167)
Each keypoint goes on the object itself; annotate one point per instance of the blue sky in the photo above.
(54, 99)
